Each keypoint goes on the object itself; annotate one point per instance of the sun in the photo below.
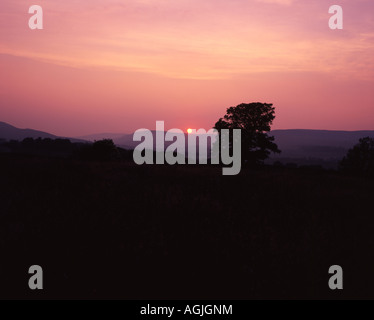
(189, 130)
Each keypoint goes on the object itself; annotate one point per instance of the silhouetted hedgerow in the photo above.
(360, 159)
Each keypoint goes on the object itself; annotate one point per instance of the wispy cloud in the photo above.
(282, 2)
(189, 39)
(112, 61)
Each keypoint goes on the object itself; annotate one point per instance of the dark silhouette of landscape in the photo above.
(9, 132)
(103, 227)
(299, 146)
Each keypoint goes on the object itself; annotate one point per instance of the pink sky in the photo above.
(117, 66)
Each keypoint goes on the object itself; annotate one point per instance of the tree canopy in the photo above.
(254, 120)
(360, 159)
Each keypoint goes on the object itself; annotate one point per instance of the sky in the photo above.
(121, 65)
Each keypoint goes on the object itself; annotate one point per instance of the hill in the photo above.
(9, 132)
(324, 147)
(299, 146)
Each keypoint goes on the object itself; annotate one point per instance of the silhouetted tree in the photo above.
(360, 159)
(104, 150)
(254, 120)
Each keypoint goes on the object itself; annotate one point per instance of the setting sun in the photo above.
(189, 130)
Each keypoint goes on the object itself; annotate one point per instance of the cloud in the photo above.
(281, 2)
(187, 39)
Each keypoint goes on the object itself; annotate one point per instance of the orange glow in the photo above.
(189, 130)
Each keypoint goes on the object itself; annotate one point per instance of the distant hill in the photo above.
(324, 147)
(299, 146)
(122, 140)
(9, 132)
(101, 136)
(125, 140)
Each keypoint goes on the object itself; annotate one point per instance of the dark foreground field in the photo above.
(116, 230)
